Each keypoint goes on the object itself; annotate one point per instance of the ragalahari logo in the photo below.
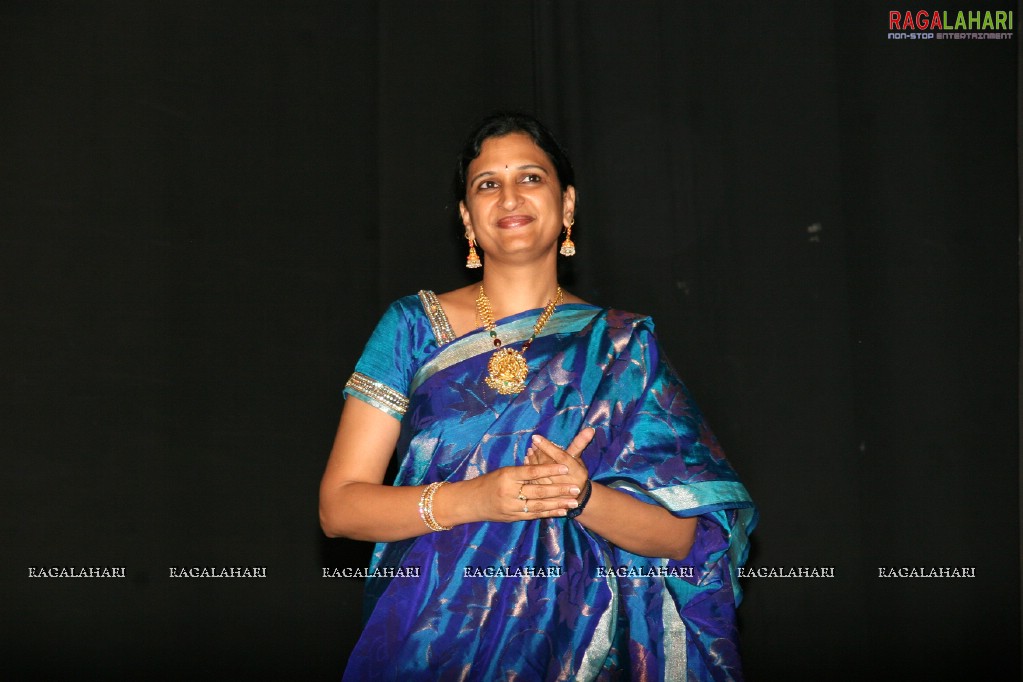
(956, 25)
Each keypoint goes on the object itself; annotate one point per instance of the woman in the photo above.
(570, 515)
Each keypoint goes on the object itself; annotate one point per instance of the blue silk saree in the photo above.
(547, 599)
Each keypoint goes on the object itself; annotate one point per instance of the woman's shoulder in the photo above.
(459, 308)
(462, 297)
(415, 323)
(414, 305)
(623, 319)
(401, 312)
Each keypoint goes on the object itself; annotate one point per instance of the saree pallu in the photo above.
(547, 599)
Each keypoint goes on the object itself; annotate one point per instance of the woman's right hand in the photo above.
(355, 503)
(508, 494)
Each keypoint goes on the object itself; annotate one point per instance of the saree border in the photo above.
(600, 644)
(676, 655)
(692, 497)
(518, 330)
(712, 498)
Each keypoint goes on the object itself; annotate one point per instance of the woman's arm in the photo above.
(637, 527)
(355, 503)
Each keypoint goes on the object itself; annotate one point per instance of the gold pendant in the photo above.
(508, 370)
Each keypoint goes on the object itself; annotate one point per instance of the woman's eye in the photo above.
(532, 177)
(487, 184)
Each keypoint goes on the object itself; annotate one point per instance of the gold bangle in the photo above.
(426, 507)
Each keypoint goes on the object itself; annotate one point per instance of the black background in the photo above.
(206, 206)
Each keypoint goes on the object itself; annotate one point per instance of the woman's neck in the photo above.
(512, 290)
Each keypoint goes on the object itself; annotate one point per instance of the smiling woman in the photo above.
(514, 205)
(613, 554)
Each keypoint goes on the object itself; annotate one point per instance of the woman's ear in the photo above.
(568, 205)
(466, 220)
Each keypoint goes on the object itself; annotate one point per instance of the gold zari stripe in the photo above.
(479, 342)
(379, 392)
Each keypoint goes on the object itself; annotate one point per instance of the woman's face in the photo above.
(514, 206)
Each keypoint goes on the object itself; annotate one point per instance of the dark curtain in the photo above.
(206, 206)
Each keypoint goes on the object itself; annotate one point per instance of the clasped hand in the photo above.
(547, 485)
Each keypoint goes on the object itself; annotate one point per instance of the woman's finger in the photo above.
(532, 458)
(579, 443)
(533, 472)
(533, 508)
(545, 447)
(543, 492)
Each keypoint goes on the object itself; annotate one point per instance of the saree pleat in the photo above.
(534, 600)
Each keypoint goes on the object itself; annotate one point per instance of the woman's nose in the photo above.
(510, 195)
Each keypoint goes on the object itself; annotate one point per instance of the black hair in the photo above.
(503, 123)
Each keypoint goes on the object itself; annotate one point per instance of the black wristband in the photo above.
(572, 513)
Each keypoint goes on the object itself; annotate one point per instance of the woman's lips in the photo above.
(512, 221)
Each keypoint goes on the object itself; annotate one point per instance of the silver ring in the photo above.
(525, 508)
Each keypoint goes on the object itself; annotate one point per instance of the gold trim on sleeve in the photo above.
(442, 330)
(379, 394)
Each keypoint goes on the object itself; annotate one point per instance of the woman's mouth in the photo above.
(513, 221)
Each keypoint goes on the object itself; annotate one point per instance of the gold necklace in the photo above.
(507, 368)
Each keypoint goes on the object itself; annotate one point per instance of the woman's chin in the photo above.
(524, 256)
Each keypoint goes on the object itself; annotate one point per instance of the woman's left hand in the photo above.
(637, 527)
(543, 451)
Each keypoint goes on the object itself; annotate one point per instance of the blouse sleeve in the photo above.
(382, 374)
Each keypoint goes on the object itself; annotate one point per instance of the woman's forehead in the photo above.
(513, 149)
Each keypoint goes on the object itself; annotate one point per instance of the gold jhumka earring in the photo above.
(568, 246)
(473, 261)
